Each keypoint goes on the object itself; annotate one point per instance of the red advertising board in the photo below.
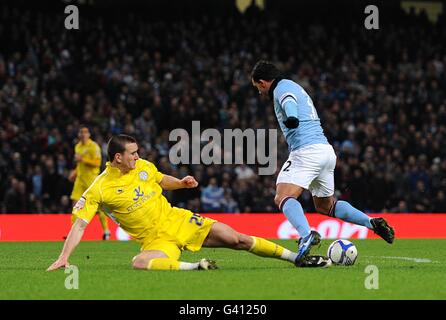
(54, 227)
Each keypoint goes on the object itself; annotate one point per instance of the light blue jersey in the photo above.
(291, 100)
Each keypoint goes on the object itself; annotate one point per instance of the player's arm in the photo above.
(92, 162)
(73, 175)
(73, 239)
(85, 209)
(168, 182)
(288, 102)
(93, 159)
(171, 183)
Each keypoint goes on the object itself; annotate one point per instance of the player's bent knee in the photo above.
(278, 200)
(139, 263)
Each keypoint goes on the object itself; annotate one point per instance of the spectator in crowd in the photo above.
(381, 99)
(245, 173)
(212, 197)
(402, 207)
(229, 204)
(439, 203)
(15, 198)
(37, 182)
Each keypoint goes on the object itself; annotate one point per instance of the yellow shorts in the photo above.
(182, 230)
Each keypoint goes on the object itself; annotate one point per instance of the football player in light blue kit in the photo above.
(311, 162)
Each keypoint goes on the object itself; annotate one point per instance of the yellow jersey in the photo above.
(88, 168)
(133, 200)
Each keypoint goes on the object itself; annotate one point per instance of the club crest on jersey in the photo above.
(143, 175)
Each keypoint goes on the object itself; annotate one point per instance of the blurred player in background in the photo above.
(130, 190)
(311, 162)
(87, 155)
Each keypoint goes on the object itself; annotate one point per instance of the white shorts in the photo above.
(312, 168)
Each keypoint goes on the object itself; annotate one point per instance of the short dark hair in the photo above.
(82, 126)
(116, 144)
(264, 70)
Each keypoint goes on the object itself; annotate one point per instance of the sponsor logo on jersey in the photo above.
(138, 193)
(141, 201)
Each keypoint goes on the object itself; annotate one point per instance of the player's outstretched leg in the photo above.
(345, 211)
(286, 200)
(222, 235)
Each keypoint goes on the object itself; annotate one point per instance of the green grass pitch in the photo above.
(408, 269)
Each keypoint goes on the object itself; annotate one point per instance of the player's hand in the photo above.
(291, 122)
(78, 157)
(72, 176)
(189, 182)
(59, 263)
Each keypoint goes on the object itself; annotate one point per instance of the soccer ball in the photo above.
(342, 252)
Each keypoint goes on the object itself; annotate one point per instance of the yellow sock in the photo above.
(170, 264)
(104, 221)
(73, 218)
(265, 248)
(163, 264)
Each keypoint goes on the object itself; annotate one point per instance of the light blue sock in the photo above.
(345, 211)
(295, 214)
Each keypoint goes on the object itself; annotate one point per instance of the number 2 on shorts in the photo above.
(286, 169)
(197, 219)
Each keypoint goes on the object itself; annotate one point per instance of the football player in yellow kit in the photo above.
(130, 191)
(88, 162)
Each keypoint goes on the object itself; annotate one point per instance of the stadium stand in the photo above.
(380, 96)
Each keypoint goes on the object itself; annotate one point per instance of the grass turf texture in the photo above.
(105, 273)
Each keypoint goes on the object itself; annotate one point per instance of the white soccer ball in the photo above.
(342, 252)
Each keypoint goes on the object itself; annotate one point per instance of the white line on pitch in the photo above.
(418, 260)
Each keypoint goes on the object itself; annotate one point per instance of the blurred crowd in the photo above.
(380, 96)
